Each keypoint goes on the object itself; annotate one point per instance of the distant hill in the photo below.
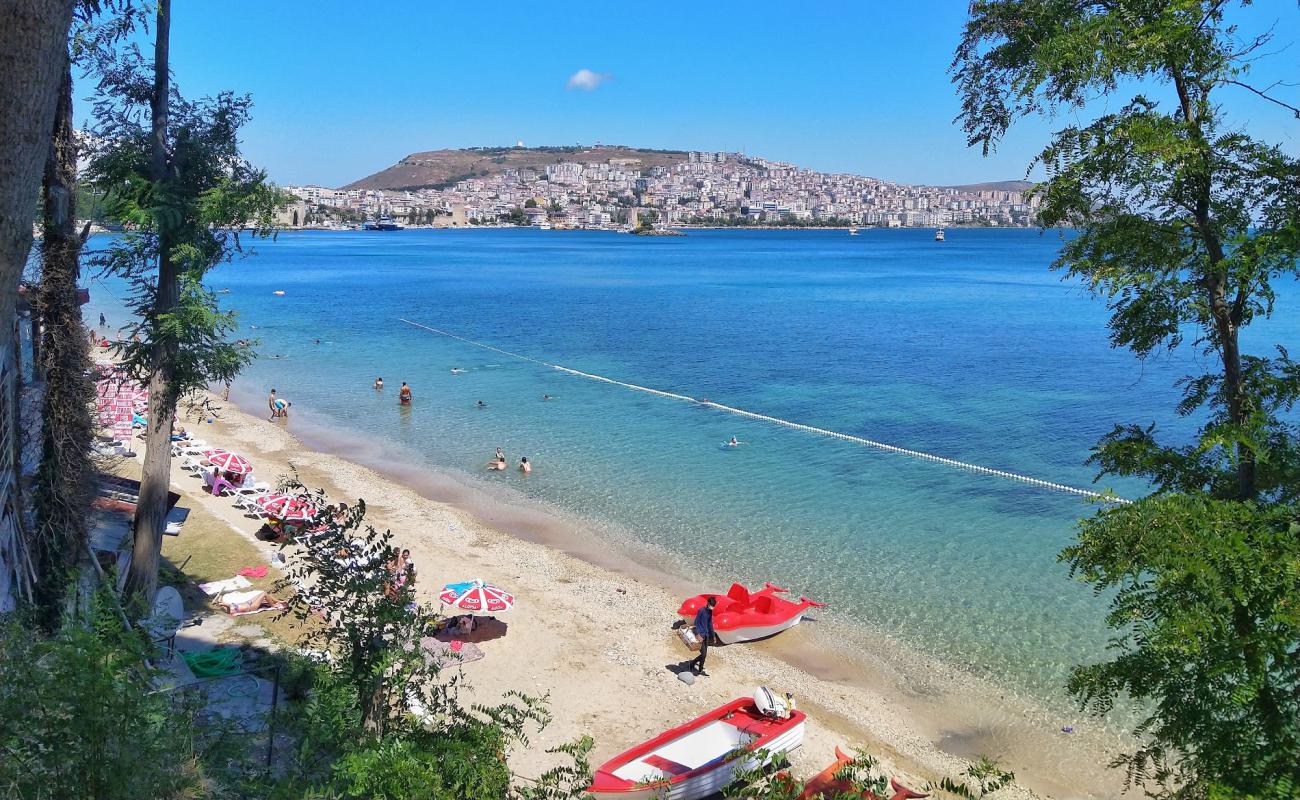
(439, 169)
(993, 186)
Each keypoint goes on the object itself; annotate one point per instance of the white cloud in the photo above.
(586, 80)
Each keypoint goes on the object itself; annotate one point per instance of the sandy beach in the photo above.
(592, 630)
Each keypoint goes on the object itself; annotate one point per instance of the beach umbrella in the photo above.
(285, 508)
(476, 595)
(226, 461)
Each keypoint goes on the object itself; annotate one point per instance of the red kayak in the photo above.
(742, 615)
(825, 785)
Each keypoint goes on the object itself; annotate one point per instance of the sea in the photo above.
(971, 349)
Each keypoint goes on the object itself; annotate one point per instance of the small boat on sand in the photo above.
(826, 785)
(742, 615)
(699, 758)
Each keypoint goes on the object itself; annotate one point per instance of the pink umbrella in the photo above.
(229, 462)
(476, 595)
(285, 508)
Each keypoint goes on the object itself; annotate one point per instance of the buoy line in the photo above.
(889, 448)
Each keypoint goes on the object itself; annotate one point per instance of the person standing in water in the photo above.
(524, 466)
(404, 395)
(272, 403)
(379, 384)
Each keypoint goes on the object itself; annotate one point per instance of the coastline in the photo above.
(595, 617)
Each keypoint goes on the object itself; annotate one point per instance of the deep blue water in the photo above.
(971, 349)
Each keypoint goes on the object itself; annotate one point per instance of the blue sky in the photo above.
(345, 89)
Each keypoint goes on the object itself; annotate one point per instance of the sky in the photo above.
(343, 89)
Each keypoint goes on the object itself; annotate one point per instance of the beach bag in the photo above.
(689, 639)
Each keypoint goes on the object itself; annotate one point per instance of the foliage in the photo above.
(982, 777)
(1207, 599)
(383, 719)
(766, 782)
(79, 717)
(1185, 224)
(212, 197)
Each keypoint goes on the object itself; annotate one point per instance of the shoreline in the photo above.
(922, 720)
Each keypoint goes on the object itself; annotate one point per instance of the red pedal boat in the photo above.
(697, 759)
(742, 615)
(825, 785)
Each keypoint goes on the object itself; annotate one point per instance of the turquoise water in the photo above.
(971, 349)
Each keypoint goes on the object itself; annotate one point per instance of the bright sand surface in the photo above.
(591, 629)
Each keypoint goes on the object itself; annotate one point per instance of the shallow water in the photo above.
(971, 349)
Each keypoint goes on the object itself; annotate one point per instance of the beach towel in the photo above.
(237, 604)
(254, 572)
(213, 588)
(448, 654)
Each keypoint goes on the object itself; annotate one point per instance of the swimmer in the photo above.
(498, 464)
(404, 395)
(318, 341)
(456, 370)
(379, 384)
(547, 397)
(524, 466)
(734, 442)
(501, 454)
(481, 404)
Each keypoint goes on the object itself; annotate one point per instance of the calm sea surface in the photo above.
(971, 349)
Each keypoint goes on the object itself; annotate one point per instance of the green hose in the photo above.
(214, 663)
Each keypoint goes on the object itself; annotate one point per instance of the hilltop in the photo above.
(439, 169)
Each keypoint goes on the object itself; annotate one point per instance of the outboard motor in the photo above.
(770, 705)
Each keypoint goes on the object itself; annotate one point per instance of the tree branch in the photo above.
(1266, 96)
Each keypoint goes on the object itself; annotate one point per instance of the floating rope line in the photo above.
(889, 448)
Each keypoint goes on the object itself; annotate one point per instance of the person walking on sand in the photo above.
(404, 395)
(103, 323)
(703, 627)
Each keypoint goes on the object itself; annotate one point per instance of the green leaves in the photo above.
(1207, 612)
(1184, 222)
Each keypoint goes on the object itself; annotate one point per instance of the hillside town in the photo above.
(705, 189)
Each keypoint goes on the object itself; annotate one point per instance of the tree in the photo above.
(385, 719)
(1184, 224)
(65, 475)
(185, 191)
(530, 202)
(33, 52)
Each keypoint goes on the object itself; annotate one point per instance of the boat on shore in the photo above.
(829, 784)
(697, 759)
(743, 616)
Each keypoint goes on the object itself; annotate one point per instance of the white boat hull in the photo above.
(757, 632)
(709, 783)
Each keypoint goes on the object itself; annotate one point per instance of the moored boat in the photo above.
(699, 758)
(743, 616)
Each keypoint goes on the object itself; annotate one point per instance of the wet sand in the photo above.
(592, 630)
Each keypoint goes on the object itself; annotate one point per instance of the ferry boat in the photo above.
(938, 235)
(384, 224)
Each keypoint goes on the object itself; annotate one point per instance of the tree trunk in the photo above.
(65, 476)
(151, 511)
(33, 50)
